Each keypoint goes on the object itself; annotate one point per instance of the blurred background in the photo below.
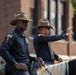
(60, 13)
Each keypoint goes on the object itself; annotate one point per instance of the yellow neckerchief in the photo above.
(41, 34)
(42, 70)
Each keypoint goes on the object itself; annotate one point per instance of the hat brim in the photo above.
(45, 26)
(13, 22)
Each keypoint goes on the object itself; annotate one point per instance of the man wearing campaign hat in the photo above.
(14, 48)
(42, 39)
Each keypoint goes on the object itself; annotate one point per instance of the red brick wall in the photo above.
(73, 49)
(59, 47)
(7, 9)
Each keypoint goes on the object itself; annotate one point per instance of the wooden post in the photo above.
(69, 23)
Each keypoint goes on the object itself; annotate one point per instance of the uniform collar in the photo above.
(19, 32)
(41, 34)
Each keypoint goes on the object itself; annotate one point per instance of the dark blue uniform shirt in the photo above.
(42, 47)
(14, 47)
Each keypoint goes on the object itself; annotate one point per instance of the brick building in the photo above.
(59, 13)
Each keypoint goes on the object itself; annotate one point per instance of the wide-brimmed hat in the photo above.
(19, 16)
(44, 23)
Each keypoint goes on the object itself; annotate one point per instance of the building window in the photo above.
(60, 18)
(33, 26)
(52, 23)
(56, 16)
(60, 31)
(52, 15)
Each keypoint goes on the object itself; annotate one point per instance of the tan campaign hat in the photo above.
(44, 23)
(19, 16)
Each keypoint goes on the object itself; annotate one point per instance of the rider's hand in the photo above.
(68, 30)
(60, 59)
(21, 66)
(40, 60)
